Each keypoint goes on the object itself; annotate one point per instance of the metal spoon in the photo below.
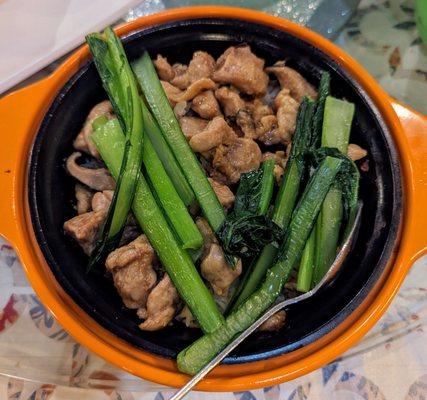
(333, 270)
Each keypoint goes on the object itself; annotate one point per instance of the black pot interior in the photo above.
(52, 190)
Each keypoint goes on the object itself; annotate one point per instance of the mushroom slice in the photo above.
(97, 178)
(193, 90)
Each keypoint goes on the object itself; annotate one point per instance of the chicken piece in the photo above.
(274, 323)
(241, 68)
(280, 157)
(132, 270)
(267, 130)
(207, 233)
(216, 132)
(230, 100)
(259, 109)
(192, 126)
(187, 318)
(83, 229)
(82, 142)
(223, 192)
(355, 152)
(97, 179)
(293, 81)
(181, 109)
(201, 66)
(162, 304)
(84, 198)
(217, 272)
(171, 92)
(243, 155)
(192, 91)
(163, 68)
(280, 129)
(206, 105)
(245, 122)
(101, 200)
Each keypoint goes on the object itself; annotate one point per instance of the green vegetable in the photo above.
(337, 121)
(121, 87)
(247, 229)
(246, 235)
(255, 190)
(305, 272)
(198, 354)
(284, 205)
(166, 156)
(175, 260)
(162, 111)
(174, 208)
(323, 93)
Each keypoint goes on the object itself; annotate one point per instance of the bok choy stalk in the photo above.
(165, 117)
(247, 229)
(120, 84)
(167, 158)
(305, 272)
(337, 121)
(174, 208)
(198, 354)
(285, 202)
(175, 260)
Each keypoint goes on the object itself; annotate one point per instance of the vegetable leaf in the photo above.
(246, 234)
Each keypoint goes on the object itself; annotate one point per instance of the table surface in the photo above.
(39, 360)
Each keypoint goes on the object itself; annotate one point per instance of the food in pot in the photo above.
(204, 185)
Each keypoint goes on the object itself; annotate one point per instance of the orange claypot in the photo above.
(20, 115)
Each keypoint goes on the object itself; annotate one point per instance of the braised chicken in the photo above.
(355, 152)
(223, 192)
(192, 126)
(239, 67)
(243, 155)
(206, 105)
(133, 273)
(201, 66)
(83, 229)
(274, 323)
(230, 100)
(83, 198)
(161, 306)
(163, 68)
(215, 133)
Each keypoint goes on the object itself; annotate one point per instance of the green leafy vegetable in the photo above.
(119, 82)
(198, 354)
(166, 156)
(247, 229)
(162, 111)
(174, 208)
(305, 272)
(338, 116)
